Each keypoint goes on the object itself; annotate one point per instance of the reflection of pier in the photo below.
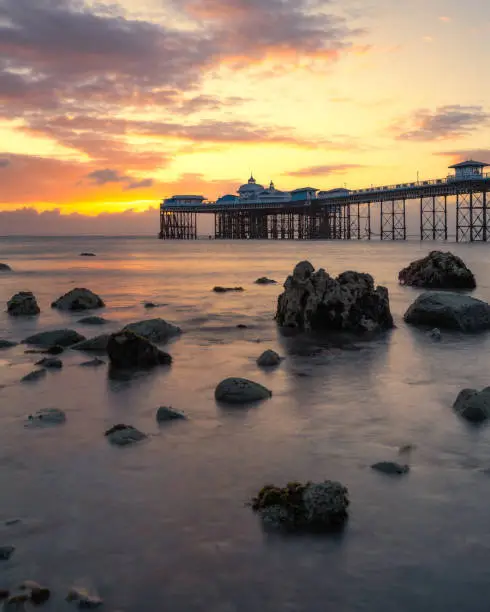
(347, 215)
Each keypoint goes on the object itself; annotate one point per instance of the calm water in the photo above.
(162, 525)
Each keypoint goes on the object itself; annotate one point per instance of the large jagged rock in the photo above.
(56, 337)
(127, 350)
(438, 271)
(473, 405)
(23, 304)
(303, 506)
(240, 391)
(78, 299)
(449, 310)
(316, 301)
(154, 330)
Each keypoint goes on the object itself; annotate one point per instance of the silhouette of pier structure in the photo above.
(341, 214)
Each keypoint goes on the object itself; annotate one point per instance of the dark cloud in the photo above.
(324, 170)
(139, 184)
(445, 122)
(102, 177)
(482, 155)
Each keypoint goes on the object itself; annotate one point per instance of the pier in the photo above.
(340, 214)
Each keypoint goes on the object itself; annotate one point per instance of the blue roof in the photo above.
(303, 189)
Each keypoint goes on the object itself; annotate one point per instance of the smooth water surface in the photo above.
(163, 525)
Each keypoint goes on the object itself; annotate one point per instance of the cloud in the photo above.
(102, 177)
(453, 121)
(139, 184)
(457, 156)
(4, 162)
(324, 170)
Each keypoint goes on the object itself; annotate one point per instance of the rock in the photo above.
(23, 304)
(50, 363)
(6, 344)
(97, 343)
(93, 320)
(59, 337)
(438, 271)
(15, 603)
(78, 299)
(46, 416)
(150, 305)
(37, 593)
(167, 413)
(450, 311)
(4, 593)
(242, 326)
(122, 435)
(84, 599)
(93, 363)
(299, 506)
(406, 449)
(154, 330)
(226, 289)
(87, 254)
(435, 334)
(263, 280)
(240, 391)
(269, 359)
(127, 350)
(316, 301)
(6, 552)
(473, 405)
(55, 350)
(390, 467)
(13, 521)
(33, 376)
(5, 268)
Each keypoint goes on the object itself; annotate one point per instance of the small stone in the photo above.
(23, 304)
(47, 416)
(122, 435)
(87, 254)
(473, 405)
(6, 552)
(84, 599)
(167, 413)
(263, 280)
(240, 391)
(78, 299)
(6, 344)
(14, 521)
(269, 359)
(51, 363)
(226, 289)
(5, 268)
(33, 376)
(58, 337)
(150, 305)
(390, 467)
(93, 320)
(242, 326)
(435, 334)
(93, 363)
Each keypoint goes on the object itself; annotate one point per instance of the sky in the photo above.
(108, 107)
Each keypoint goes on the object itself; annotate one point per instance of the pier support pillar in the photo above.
(433, 218)
(393, 220)
(178, 225)
(471, 217)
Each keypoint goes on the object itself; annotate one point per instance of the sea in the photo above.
(164, 525)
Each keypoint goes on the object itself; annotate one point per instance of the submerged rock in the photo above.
(263, 280)
(154, 330)
(6, 552)
(93, 320)
(23, 304)
(97, 343)
(226, 289)
(4, 593)
(435, 334)
(84, 599)
(93, 363)
(316, 301)
(33, 376)
(5, 268)
(6, 344)
(127, 350)
(269, 359)
(450, 311)
(37, 594)
(240, 391)
(78, 299)
(303, 506)
(50, 363)
(56, 349)
(58, 337)
(390, 467)
(167, 413)
(473, 405)
(438, 271)
(87, 254)
(122, 435)
(47, 416)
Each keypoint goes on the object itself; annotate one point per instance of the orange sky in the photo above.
(108, 107)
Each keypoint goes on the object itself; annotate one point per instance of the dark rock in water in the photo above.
(269, 359)
(390, 467)
(84, 599)
(13, 521)
(242, 326)
(122, 435)
(93, 320)
(438, 271)
(151, 305)
(98, 343)
(5, 268)
(50, 363)
(93, 363)
(58, 337)
(127, 350)
(6, 552)
(23, 304)
(33, 376)
(78, 299)
(167, 413)
(87, 254)
(37, 593)
(226, 289)
(316, 301)
(6, 344)
(263, 280)
(473, 405)
(55, 350)
(240, 391)
(435, 334)
(303, 506)
(4, 593)
(46, 416)
(449, 310)
(154, 330)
